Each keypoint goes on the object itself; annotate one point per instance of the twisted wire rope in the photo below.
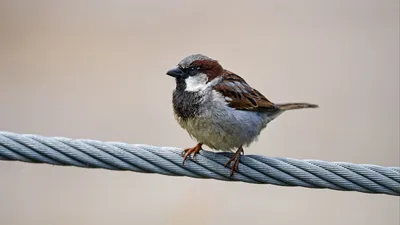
(168, 161)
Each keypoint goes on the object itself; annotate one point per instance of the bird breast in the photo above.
(219, 126)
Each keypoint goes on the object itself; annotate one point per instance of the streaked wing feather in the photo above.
(241, 96)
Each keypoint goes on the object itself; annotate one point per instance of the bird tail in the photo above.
(290, 106)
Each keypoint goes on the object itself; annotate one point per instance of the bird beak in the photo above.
(175, 72)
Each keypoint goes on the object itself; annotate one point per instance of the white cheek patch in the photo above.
(196, 83)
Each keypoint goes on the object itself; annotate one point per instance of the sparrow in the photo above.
(219, 109)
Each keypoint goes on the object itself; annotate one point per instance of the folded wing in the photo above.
(241, 96)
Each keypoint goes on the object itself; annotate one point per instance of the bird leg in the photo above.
(235, 159)
(196, 149)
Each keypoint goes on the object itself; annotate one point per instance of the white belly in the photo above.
(223, 128)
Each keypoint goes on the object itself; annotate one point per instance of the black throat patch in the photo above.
(186, 104)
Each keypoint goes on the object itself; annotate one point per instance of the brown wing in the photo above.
(240, 95)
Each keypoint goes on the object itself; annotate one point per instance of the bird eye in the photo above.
(192, 71)
(194, 68)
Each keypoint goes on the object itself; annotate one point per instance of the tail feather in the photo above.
(290, 106)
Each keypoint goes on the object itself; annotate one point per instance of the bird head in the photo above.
(194, 72)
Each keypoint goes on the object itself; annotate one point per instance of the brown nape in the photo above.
(210, 67)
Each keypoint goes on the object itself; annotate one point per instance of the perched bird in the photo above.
(219, 109)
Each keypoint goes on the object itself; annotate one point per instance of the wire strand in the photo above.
(208, 165)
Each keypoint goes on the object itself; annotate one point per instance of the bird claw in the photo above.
(190, 151)
(235, 159)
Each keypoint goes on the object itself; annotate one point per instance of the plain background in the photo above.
(96, 69)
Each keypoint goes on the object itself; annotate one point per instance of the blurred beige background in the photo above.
(96, 69)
